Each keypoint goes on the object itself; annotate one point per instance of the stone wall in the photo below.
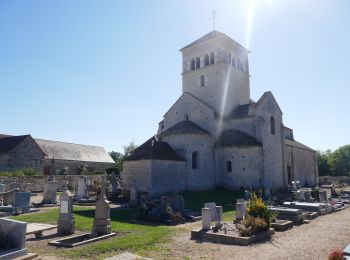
(303, 163)
(246, 165)
(36, 183)
(137, 173)
(26, 155)
(168, 176)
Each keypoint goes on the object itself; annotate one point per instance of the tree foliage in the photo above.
(335, 163)
(120, 157)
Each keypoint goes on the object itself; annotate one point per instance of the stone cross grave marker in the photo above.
(102, 222)
(213, 212)
(66, 218)
(82, 188)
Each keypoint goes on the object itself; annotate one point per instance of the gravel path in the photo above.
(309, 241)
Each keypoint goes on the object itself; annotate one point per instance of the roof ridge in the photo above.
(40, 139)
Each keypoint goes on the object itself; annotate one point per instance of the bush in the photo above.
(29, 172)
(251, 226)
(258, 218)
(258, 209)
(20, 173)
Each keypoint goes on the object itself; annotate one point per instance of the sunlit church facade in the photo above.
(215, 135)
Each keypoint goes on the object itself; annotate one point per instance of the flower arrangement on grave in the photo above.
(336, 254)
(258, 218)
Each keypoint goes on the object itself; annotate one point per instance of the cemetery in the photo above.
(234, 218)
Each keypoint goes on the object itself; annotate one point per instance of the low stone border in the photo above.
(282, 225)
(73, 241)
(227, 239)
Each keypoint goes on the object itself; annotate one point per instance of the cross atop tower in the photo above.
(214, 18)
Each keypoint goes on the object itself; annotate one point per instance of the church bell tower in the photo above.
(216, 71)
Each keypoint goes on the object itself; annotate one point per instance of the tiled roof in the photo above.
(213, 34)
(73, 152)
(8, 143)
(236, 138)
(184, 127)
(154, 150)
(297, 144)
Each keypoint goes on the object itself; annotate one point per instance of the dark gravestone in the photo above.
(12, 238)
(21, 202)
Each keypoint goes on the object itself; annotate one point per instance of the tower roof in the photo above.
(211, 35)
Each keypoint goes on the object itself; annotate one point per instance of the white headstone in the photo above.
(213, 212)
(206, 218)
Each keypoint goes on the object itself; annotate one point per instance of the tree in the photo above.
(340, 160)
(128, 149)
(120, 157)
(324, 163)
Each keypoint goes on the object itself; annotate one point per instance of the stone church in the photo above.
(215, 135)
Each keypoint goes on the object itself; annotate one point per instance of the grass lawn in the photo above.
(138, 238)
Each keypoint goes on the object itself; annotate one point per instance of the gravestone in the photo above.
(294, 185)
(302, 196)
(239, 212)
(21, 202)
(50, 191)
(66, 218)
(133, 195)
(322, 195)
(2, 187)
(247, 194)
(82, 188)
(114, 182)
(206, 218)
(102, 222)
(213, 212)
(244, 205)
(12, 238)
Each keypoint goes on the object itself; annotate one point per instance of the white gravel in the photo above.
(309, 241)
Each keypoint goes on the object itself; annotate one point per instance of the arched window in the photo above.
(198, 63)
(212, 61)
(195, 160)
(228, 166)
(186, 117)
(206, 59)
(193, 64)
(272, 125)
(202, 80)
(229, 58)
(238, 64)
(233, 62)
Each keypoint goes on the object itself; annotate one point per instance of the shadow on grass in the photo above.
(222, 197)
(126, 215)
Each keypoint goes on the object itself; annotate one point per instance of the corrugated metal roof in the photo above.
(73, 152)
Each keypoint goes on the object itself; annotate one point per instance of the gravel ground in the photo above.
(309, 241)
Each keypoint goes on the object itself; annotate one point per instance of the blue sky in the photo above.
(105, 72)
